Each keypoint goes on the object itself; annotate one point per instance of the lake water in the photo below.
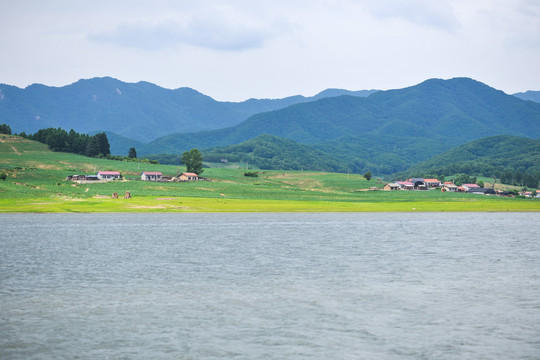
(270, 286)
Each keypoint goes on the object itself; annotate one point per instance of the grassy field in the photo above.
(36, 183)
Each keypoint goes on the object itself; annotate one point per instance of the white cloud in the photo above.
(437, 14)
(220, 28)
(235, 49)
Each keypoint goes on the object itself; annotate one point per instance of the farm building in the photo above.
(418, 183)
(468, 187)
(432, 183)
(151, 176)
(108, 175)
(391, 186)
(479, 190)
(405, 185)
(450, 186)
(188, 177)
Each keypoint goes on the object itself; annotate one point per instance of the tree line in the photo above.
(72, 141)
(519, 178)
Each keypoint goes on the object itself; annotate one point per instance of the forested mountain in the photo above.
(490, 156)
(529, 95)
(141, 111)
(389, 130)
(273, 153)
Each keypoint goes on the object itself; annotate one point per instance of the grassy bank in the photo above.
(36, 183)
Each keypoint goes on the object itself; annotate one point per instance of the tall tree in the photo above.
(92, 147)
(132, 153)
(193, 160)
(103, 143)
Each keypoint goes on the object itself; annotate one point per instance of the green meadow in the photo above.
(35, 182)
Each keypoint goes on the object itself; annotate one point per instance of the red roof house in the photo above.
(108, 175)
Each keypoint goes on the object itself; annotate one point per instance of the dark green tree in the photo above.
(103, 143)
(132, 153)
(3, 176)
(368, 175)
(193, 160)
(5, 129)
(92, 147)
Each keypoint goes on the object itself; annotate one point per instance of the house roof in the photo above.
(405, 183)
(189, 174)
(108, 172)
(413, 180)
(431, 180)
(450, 185)
(393, 184)
(152, 173)
(471, 185)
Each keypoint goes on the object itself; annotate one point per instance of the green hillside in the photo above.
(387, 131)
(272, 153)
(485, 157)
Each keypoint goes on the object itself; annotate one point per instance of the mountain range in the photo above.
(141, 111)
(381, 131)
(387, 131)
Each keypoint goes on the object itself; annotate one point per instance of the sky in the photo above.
(239, 49)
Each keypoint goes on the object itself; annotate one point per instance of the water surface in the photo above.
(270, 286)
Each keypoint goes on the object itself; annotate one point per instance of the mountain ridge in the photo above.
(451, 111)
(141, 111)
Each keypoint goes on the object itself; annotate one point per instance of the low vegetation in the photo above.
(35, 181)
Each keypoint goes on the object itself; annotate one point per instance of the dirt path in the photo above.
(13, 147)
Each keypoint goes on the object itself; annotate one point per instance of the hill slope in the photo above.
(485, 157)
(141, 111)
(272, 153)
(428, 118)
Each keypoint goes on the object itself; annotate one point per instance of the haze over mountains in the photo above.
(141, 111)
(385, 132)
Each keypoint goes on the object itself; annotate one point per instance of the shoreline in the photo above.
(152, 204)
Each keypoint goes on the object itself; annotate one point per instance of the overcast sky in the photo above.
(238, 49)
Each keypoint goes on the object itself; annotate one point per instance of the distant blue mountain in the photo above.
(141, 111)
(529, 95)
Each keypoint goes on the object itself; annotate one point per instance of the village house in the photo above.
(450, 187)
(76, 177)
(391, 186)
(108, 175)
(432, 183)
(151, 176)
(418, 183)
(468, 187)
(188, 177)
(405, 185)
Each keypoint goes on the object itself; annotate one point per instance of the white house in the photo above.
(151, 176)
(108, 175)
(432, 183)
